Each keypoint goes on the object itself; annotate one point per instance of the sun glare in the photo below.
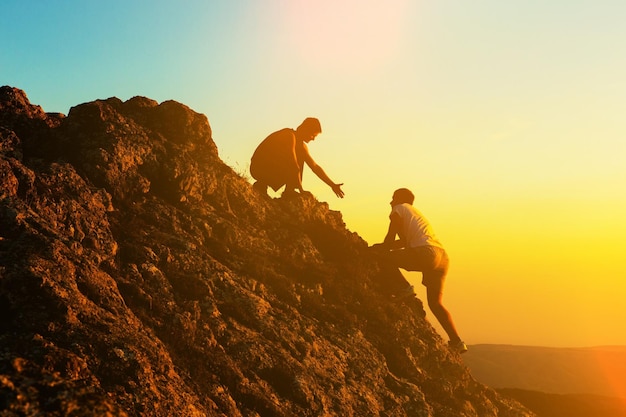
(346, 35)
(610, 361)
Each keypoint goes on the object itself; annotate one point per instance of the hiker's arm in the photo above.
(317, 170)
(295, 179)
(393, 231)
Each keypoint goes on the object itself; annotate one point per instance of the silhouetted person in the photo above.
(279, 160)
(417, 249)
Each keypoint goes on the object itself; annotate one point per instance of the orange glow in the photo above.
(612, 362)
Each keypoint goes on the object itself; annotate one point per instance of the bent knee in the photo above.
(436, 305)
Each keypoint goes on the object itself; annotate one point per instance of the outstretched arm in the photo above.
(324, 177)
(317, 170)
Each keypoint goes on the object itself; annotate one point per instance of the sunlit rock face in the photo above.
(140, 275)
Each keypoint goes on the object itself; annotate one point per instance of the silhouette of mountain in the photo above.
(555, 382)
(140, 275)
(568, 405)
(595, 370)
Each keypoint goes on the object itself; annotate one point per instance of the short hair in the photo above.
(311, 124)
(404, 195)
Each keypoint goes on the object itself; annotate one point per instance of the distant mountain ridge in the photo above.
(140, 275)
(568, 405)
(595, 370)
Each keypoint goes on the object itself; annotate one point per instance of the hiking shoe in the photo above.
(260, 188)
(290, 194)
(458, 346)
(405, 292)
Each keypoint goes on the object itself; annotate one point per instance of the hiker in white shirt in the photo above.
(418, 249)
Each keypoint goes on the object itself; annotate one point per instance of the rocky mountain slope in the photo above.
(140, 275)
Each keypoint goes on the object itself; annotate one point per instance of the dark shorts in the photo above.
(274, 173)
(431, 261)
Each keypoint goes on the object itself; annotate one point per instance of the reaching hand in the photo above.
(337, 189)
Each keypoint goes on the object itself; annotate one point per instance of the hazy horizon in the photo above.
(506, 120)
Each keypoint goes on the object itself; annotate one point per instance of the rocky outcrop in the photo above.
(140, 275)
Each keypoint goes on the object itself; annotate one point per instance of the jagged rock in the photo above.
(140, 275)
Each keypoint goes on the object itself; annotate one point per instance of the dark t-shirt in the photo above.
(279, 159)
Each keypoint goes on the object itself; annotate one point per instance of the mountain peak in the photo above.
(140, 275)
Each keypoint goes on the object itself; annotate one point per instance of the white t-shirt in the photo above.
(415, 229)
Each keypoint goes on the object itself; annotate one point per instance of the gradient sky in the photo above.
(506, 118)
